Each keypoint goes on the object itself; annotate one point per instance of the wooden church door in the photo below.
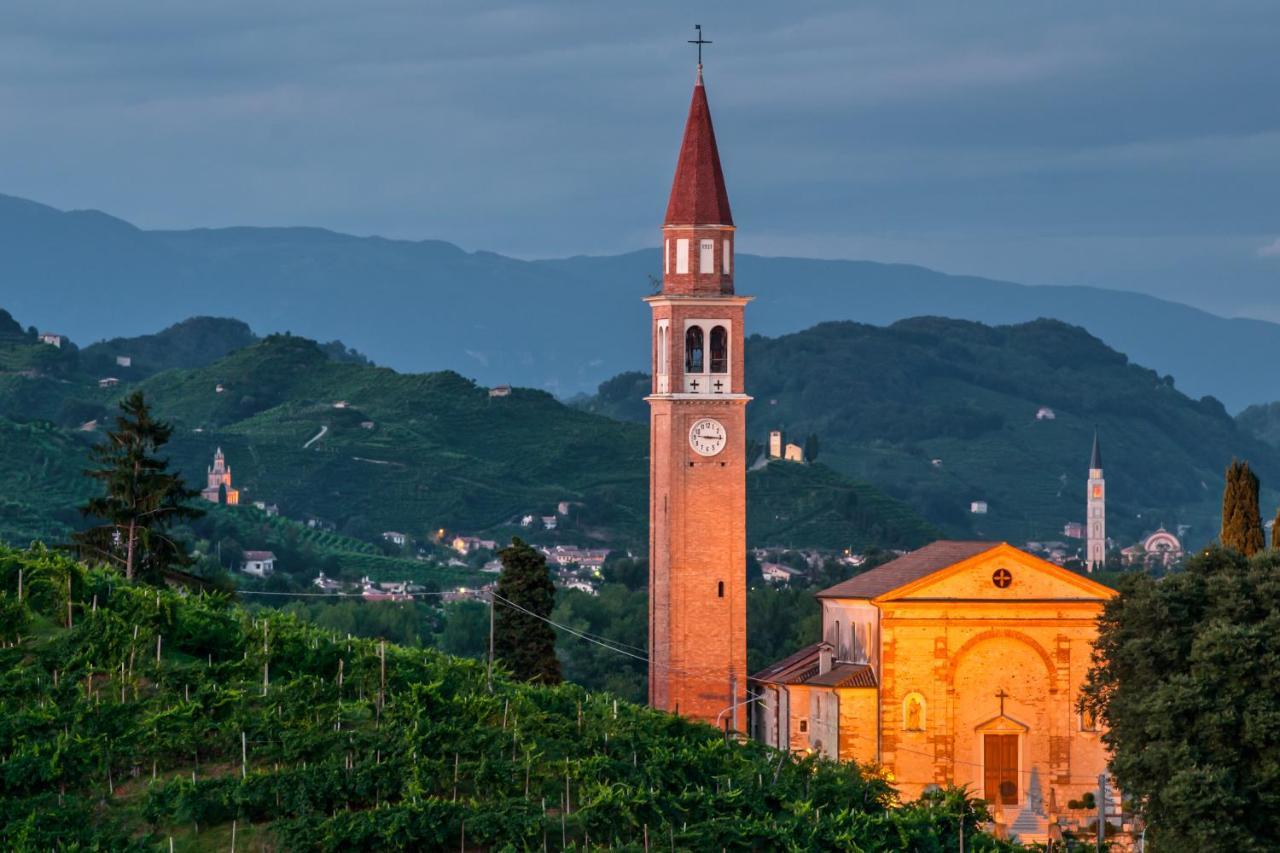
(1000, 769)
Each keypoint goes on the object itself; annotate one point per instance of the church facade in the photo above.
(960, 663)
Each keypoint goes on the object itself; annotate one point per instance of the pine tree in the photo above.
(526, 595)
(811, 447)
(1275, 530)
(1241, 518)
(141, 498)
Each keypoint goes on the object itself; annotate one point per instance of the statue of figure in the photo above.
(914, 710)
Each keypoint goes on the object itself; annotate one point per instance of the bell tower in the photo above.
(697, 447)
(1095, 555)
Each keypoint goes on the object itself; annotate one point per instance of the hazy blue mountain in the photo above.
(563, 325)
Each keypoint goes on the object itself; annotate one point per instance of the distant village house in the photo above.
(51, 339)
(260, 564)
(394, 537)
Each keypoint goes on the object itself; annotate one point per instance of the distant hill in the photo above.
(561, 325)
(192, 343)
(1262, 421)
(886, 402)
(366, 449)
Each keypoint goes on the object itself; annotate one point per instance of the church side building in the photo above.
(697, 429)
(1095, 552)
(960, 663)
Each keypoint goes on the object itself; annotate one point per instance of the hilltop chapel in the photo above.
(959, 663)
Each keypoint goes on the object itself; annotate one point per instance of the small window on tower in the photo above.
(720, 589)
(666, 258)
(804, 727)
(706, 256)
(719, 350)
(1097, 491)
(693, 350)
(682, 256)
(728, 266)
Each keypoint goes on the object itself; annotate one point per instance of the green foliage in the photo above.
(523, 641)
(1187, 676)
(141, 499)
(104, 745)
(1241, 517)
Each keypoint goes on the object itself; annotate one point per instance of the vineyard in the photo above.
(136, 718)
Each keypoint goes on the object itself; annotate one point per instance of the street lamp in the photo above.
(732, 707)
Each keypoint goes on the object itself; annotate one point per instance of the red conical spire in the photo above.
(698, 195)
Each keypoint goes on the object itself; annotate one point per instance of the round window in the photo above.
(1002, 578)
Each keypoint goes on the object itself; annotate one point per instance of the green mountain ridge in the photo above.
(365, 449)
(563, 324)
(888, 401)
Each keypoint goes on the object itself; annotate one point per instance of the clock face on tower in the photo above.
(707, 437)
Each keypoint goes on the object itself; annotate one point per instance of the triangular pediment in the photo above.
(1001, 573)
(1001, 724)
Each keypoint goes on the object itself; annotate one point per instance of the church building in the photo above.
(960, 663)
(219, 476)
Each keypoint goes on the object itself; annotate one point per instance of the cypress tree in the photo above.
(522, 640)
(1241, 518)
(141, 498)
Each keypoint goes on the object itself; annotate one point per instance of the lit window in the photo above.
(693, 350)
(682, 256)
(719, 350)
(706, 256)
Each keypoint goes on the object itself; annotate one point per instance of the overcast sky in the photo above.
(1129, 145)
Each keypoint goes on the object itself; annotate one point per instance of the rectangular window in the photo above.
(682, 256)
(804, 727)
(728, 266)
(666, 258)
(706, 256)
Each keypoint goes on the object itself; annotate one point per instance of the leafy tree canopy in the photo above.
(1186, 674)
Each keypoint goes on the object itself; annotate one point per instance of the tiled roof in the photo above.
(259, 555)
(845, 675)
(698, 194)
(793, 669)
(906, 569)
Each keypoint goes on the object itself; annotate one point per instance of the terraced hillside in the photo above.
(135, 719)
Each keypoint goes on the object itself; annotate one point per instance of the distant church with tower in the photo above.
(959, 663)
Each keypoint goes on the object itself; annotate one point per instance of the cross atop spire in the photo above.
(699, 41)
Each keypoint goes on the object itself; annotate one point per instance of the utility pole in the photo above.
(492, 603)
(1102, 810)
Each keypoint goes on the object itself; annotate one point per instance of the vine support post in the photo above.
(492, 604)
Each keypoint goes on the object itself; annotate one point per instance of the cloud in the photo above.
(1270, 250)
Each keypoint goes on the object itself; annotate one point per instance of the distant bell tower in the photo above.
(1096, 512)
(697, 444)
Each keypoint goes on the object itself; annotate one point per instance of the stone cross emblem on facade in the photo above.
(1002, 578)
(1001, 695)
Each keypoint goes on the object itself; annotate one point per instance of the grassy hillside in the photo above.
(133, 716)
(887, 402)
(41, 484)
